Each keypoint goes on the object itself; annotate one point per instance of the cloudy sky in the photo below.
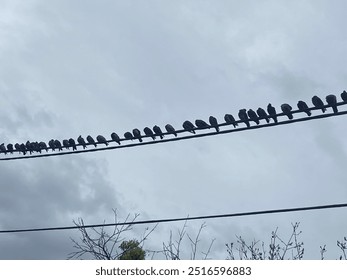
(71, 68)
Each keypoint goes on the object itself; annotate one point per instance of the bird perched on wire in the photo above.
(187, 125)
(35, 147)
(253, 116)
(243, 117)
(137, 134)
(3, 148)
(66, 144)
(272, 112)
(287, 110)
(344, 96)
(101, 139)
(10, 148)
(72, 144)
(57, 144)
(91, 140)
(158, 132)
(149, 132)
(128, 136)
(229, 119)
(318, 103)
(115, 137)
(262, 114)
(331, 100)
(81, 141)
(213, 122)
(302, 106)
(43, 146)
(22, 148)
(201, 124)
(17, 146)
(51, 144)
(170, 129)
(28, 147)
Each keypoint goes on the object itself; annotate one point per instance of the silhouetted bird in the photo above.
(28, 147)
(66, 144)
(3, 148)
(101, 139)
(22, 148)
(170, 129)
(137, 134)
(187, 125)
(115, 137)
(149, 132)
(272, 112)
(286, 109)
(201, 124)
(10, 148)
(91, 140)
(253, 116)
(302, 106)
(318, 103)
(229, 119)
(128, 135)
(81, 141)
(43, 146)
(57, 144)
(344, 96)
(243, 117)
(51, 144)
(213, 122)
(17, 146)
(35, 147)
(262, 114)
(158, 132)
(331, 100)
(72, 144)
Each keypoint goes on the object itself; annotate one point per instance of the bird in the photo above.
(253, 116)
(28, 147)
(170, 129)
(66, 144)
(22, 148)
(318, 103)
(10, 148)
(201, 124)
(101, 139)
(331, 100)
(229, 119)
(72, 144)
(243, 117)
(344, 96)
(81, 141)
(158, 132)
(51, 144)
(17, 146)
(3, 148)
(57, 144)
(115, 137)
(286, 109)
(302, 106)
(91, 140)
(187, 125)
(137, 134)
(128, 136)
(43, 146)
(213, 122)
(35, 147)
(262, 114)
(272, 112)
(149, 132)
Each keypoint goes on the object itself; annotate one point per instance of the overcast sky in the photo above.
(71, 68)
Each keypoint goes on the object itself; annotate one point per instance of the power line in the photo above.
(253, 213)
(321, 116)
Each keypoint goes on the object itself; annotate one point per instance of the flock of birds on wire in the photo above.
(244, 117)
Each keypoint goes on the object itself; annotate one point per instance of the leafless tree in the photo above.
(102, 244)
